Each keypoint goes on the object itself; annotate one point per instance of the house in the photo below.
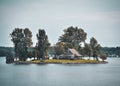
(71, 54)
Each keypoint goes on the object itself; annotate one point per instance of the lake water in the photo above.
(60, 74)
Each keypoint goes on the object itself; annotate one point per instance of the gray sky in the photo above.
(99, 18)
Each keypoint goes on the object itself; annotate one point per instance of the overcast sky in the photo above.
(99, 18)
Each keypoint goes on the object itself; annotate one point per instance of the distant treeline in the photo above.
(109, 51)
(4, 51)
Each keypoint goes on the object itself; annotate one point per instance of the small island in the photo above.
(54, 61)
(68, 49)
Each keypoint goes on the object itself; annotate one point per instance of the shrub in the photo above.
(103, 56)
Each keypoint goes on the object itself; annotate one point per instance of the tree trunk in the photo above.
(89, 57)
(97, 58)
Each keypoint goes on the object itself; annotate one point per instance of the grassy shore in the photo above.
(55, 61)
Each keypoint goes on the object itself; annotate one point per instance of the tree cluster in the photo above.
(72, 38)
(22, 40)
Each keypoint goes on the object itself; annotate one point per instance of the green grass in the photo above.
(61, 61)
(70, 61)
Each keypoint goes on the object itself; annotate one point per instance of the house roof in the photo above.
(75, 52)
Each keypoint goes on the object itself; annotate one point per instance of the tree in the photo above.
(73, 36)
(28, 37)
(16, 36)
(27, 42)
(59, 48)
(103, 56)
(81, 51)
(43, 44)
(30, 54)
(88, 50)
(34, 52)
(95, 47)
(22, 39)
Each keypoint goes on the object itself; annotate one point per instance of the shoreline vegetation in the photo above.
(56, 61)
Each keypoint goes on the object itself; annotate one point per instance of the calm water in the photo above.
(60, 75)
